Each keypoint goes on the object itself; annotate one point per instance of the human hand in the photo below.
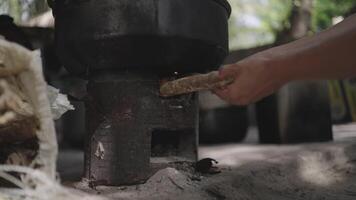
(255, 78)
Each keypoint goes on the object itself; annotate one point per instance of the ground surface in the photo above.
(252, 171)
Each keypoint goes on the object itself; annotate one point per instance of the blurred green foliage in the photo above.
(273, 16)
(22, 10)
(255, 22)
(326, 10)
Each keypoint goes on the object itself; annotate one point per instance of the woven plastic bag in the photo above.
(25, 109)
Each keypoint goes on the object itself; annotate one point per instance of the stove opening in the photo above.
(165, 143)
(173, 146)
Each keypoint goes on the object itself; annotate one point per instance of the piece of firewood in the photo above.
(20, 129)
(194, 83)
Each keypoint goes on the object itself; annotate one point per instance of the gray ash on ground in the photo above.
(306, 171)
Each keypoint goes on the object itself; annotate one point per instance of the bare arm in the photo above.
(330, 54)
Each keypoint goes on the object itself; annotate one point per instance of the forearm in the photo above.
(330, 54)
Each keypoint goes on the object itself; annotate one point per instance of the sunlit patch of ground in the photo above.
(249, 150)
(303, 171)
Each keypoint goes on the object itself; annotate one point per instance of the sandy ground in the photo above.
(252, 171)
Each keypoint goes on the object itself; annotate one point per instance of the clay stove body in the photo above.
(125, 48)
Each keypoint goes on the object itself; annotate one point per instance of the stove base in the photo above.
(132, 132)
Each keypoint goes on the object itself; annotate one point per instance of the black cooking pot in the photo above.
(164, 35)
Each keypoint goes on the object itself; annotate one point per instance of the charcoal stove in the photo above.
(125, 48)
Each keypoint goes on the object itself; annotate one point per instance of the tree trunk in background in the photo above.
(15, 9)
(38, 7)
(299, 20)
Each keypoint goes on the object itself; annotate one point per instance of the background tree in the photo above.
(22, 10)
(287, 21)
(326, 10)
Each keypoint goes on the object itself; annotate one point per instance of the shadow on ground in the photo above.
(318, 171)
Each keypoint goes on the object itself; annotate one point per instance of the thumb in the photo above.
(228, 72)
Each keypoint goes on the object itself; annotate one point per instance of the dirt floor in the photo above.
(251, 171)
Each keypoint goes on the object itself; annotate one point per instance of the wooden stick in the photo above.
(20, 129)
(194, 83)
